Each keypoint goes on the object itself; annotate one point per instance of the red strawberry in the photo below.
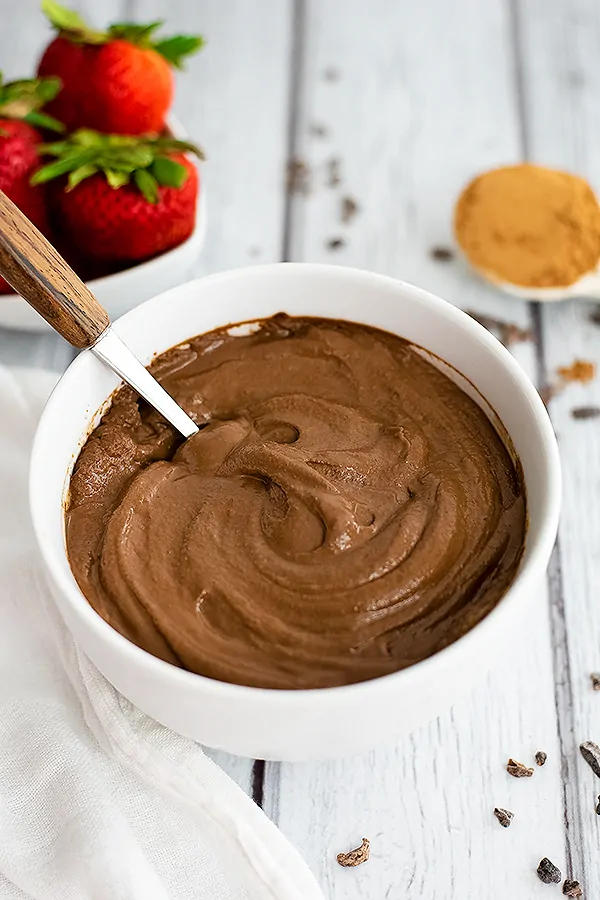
(117, 81)
(126, 199)
(19, 140)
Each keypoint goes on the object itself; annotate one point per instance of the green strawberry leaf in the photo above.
(62, 18)
(147, 184)
(169, 173)
(172, 145)
(134, 157)
(71, 23)
(78, 175)
(116, 178)
(23, 100)
(134, 32)
(62, 167)
(117, 157)
(41, 120)
(48, 88)
(175, 48)
(55, 149)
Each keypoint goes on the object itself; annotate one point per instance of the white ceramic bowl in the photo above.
(294, 725)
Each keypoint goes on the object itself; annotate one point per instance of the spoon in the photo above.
(32, 266)
(588, 285)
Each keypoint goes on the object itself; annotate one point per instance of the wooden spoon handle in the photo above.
(42, 277)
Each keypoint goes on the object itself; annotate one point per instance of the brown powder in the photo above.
(530, 226)
(580, 370)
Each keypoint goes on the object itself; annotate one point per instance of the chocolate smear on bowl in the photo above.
(355, 857)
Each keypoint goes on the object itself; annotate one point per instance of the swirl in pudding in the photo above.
(345, 511)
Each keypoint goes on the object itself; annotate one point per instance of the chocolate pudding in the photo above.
(345, 511)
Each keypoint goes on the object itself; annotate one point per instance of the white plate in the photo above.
(122, 291)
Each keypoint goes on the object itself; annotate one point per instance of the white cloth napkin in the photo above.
(97, 801)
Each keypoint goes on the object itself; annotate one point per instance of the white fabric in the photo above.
(97, 801)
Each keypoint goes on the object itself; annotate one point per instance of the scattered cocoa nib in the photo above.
(298, 177)
(598, 806)
(507, 332)
(349, 209)
(331, 73)
(541, 757)
(318, 130)
(591, 753)
(518, 770)
(442, 254)
(595, 677)
(586, 412)
(335, 243)
(356, 857)
(572, 888)
(504, 816)
(580, 370)
(333, 172)
(548, 872)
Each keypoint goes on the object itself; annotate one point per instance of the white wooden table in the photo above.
(404, 102)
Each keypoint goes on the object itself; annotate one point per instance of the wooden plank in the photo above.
(410, 103)
(409, 119)
(232, 99)
(561, 87)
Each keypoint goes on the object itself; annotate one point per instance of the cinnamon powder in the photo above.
(529, 226)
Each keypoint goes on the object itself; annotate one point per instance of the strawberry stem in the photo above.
(24, 99)
(120, 158)
(72, 26)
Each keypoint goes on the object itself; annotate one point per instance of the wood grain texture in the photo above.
(399, 104)
(33, 267)
(561, 91)
(233, 100)
(394, 105)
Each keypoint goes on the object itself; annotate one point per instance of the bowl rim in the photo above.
(277, 697)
